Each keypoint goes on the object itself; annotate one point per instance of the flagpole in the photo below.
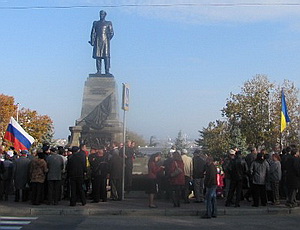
(125, 107)
(281, 144)
(18, 107)
(285, 119)
(124, 146)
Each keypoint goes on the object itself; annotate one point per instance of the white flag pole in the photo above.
(125, 107)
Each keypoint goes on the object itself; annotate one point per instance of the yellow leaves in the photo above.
(7, 110)
(40, 127)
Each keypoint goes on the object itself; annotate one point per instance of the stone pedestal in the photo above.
(99, 120)
(75, 137)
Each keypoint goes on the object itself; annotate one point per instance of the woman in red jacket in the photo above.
(153, 169)
(177, 179)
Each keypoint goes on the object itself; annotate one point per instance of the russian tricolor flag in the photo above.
(17, 135)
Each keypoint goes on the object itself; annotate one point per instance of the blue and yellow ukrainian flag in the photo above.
(284, 113)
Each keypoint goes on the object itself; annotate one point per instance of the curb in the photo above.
(144, 212)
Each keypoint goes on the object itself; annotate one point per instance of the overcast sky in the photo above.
(181, 58)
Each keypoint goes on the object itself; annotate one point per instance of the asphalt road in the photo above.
(265, 222)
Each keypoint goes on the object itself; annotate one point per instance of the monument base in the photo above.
(99, 122)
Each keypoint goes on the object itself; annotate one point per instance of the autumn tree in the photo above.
(40, 127)
(7, 110)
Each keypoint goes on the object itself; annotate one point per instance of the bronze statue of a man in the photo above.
(101, 34)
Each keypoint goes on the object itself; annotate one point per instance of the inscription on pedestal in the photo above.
(99, 91)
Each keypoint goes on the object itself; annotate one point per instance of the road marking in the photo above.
(14, 222)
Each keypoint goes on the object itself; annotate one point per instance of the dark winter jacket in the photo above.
(116, 166)
(275, 171)
(238, 168)
(259, 172)
(198, 167)
(76, 166)
(55, 164)
(210, 175)
(21, 172)
(293, 172)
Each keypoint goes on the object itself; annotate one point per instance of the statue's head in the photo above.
(102, 14)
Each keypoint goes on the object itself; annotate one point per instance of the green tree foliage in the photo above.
(252, 118)
(250, 110)
(237, 140)
(214, 140)
(256, 111)
(180, 142)
(139, 140)
(292, 132)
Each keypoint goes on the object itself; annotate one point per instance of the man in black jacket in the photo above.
(76, 168)
(292, 177)
(116, 172)
(99, 171)
(238, 171)
(210, 183)
(129, 156)
(199, 161)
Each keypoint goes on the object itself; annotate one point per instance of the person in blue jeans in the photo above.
(210, 183)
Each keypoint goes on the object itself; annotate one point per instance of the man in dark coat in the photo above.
(76, 168)
(116, 172)
(210, 183)
(129, 156)
(7, 175)
(249, 160)
(55, 166)
(2, 171)
(21, 176)
(198, 175)
(292, 177)
(238, 171)
(99, 172)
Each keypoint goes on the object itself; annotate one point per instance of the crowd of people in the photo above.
(265, 177)
(55, 173)
(179, 174)
(52, 174)
(258, 177)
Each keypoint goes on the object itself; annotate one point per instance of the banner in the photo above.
(125, 98)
